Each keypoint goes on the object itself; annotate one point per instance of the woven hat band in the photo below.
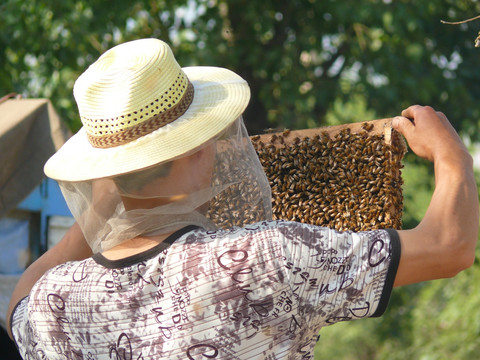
(146, 126)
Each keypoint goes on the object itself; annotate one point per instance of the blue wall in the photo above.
(46, 199)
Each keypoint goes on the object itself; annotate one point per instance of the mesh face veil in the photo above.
(217, 185)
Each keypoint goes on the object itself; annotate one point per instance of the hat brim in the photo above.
(220, 97)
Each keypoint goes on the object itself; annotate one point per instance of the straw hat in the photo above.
(139, 107)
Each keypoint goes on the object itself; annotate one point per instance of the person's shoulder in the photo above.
(262, 228)
(294, 229)
(259, 227)
(71, 270)
(276, 225)
(268, 229)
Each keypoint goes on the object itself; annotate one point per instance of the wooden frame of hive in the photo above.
(346, 177)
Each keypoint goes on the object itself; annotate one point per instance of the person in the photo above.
(149, 272)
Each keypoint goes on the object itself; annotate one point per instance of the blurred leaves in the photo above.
(300, 57)
(309, 63)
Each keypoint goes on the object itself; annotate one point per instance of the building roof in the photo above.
(30, 132)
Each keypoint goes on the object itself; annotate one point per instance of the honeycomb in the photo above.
(344, 177)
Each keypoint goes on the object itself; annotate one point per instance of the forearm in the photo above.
(444, 242)
(454, 206)
(71, 247)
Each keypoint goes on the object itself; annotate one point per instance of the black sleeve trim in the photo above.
(11, 319)
(395, 252)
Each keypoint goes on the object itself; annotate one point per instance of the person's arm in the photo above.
(71, 247)
(443, 244)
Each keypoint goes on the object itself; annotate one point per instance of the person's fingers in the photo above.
(410, 111)
(414, 111)
(403, 125)
(442, 115)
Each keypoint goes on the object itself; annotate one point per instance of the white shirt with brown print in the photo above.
(259, 292)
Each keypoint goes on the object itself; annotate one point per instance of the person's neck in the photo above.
(134, 246)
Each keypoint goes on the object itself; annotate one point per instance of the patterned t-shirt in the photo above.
(260, 292)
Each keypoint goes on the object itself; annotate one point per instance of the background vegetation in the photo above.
(309, 63)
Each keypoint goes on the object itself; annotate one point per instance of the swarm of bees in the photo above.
(346, 177)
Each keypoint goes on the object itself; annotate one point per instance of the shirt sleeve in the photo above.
(339, 276)
(395, 252)
(21, 329)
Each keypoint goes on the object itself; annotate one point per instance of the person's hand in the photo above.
(429, 133)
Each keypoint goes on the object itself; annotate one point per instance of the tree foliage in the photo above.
(300, 57)
(309, 63)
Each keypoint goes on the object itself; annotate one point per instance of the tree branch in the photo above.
(459, 22)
